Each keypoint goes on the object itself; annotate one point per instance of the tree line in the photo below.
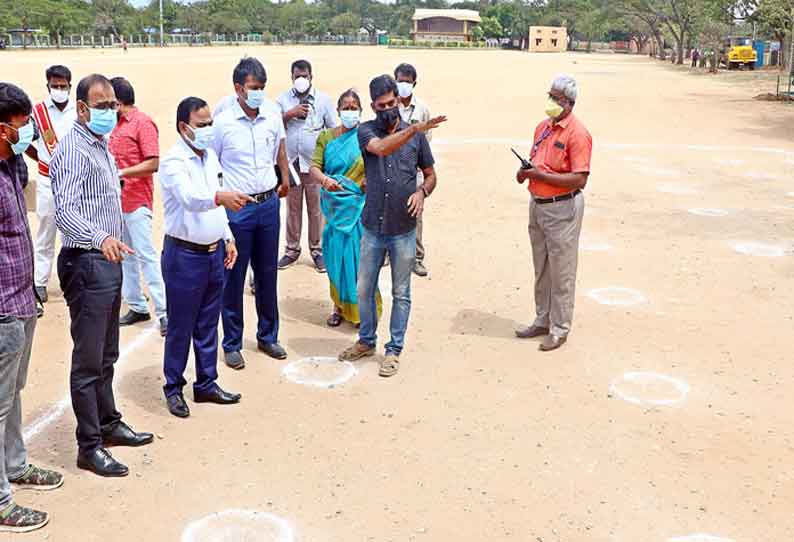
(679, 25)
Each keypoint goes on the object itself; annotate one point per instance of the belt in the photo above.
(263, 196)
(76, 251)
(212, 247)
(563, 197)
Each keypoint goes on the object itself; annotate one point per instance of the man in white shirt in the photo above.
(198, 247)
(306, 112)
(413, 111)
(249, 142)
(54, 118)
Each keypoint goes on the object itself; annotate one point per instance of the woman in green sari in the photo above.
(338, 166)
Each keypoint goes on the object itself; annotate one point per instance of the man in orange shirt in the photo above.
(561, 157)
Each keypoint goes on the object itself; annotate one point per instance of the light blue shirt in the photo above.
(189, 185)
(302, 133)
(248, 149)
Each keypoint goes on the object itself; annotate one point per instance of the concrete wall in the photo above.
(547, 39)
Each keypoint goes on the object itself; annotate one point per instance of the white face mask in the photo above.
(301, 85)
(405, 89)
(59, 96)
(350, 119)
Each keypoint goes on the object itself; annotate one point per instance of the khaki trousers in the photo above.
(295, 217)
(554, 233)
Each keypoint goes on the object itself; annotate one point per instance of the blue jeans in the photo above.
(137, 235)
(256, 229)
(402, 255)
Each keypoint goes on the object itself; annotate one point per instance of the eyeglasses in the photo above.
(14, 127)
(104, 106)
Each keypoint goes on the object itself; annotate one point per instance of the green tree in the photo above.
(345, 24)
(491, 28)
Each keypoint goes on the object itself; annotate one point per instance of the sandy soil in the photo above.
(480, 436)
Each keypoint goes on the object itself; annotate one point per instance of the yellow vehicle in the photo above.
(738, 52)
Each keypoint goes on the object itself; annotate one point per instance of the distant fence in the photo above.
(44, 41)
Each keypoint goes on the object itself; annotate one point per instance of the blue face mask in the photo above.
(25, 137)
(102, 121)
(202, 137)
(255, 98)
(350, 119)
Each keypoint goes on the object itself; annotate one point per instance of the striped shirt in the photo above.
(87, 190)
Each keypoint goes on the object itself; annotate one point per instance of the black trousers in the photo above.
(92, 288)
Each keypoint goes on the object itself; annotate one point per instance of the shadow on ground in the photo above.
(483, 324)
(315, 346)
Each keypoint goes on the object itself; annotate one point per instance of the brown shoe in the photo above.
(552, 342)
(389, 366)
(357, 352)
(531, 332)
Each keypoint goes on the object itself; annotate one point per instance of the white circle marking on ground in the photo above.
(239, 526)
(754, 248)
(642, 388)
(616, 295)
(596, 246)
(708, 211)
(699, 537)
(320, 372)
(675, 188)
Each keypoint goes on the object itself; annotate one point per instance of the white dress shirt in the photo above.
(248, 149)
(189, 185)
(302, 133)
(228, 101)
(62, 122)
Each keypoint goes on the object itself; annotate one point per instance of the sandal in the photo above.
(356, 352)
(389, 366)
(335, 320)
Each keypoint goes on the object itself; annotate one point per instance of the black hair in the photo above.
(301, 65)
(87, 82)
(249, 66)
(406, 69)
(186, 107)
(124, 91)
(13, 102)
(349, 93)
(382, 85)
(61, 72)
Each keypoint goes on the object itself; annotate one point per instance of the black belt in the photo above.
(77, 251)
(563, 197)
(263, 196)
(212, 247)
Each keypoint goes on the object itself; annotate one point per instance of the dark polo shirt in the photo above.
(391, 180)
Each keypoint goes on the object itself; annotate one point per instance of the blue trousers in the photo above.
(194, 289)
(402, 256)
(256, 230)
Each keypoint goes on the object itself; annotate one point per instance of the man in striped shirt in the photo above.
(85, 183)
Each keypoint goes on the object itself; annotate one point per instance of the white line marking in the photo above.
(616, 295)
(57, 410)
(320, 372)
(239, 525)
(707, 211)
(643, 379)
(754, 248)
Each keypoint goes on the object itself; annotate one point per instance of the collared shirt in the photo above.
(248, 149)
(134, 140)
(416, 111)
(62, 122)
(16, 246)
(391, 180)
(85, 183)
(302, 133)
(189, 185)
(564, 147)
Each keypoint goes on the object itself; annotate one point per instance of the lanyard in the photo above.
(546, 133)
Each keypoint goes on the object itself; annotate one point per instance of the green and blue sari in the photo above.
(340, 158)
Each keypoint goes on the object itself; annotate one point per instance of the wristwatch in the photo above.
(424, 191)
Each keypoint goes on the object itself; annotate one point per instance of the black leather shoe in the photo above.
(133, 317)
(234, 360)
(164, 326)
(123, 435)
(274, 350)
(177, 406)
(216, 395)
(102, 463)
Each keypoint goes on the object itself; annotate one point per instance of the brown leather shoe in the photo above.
(531, 332)
(356, 352)
(552, 342)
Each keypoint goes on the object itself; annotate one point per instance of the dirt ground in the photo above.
(481, 436)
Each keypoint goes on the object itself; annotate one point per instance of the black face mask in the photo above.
(388, 117)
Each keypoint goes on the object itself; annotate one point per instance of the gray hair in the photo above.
(567, 85)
